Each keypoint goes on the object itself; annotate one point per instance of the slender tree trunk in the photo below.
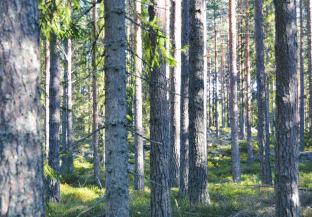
(265, 171)
(216, 76)
(287, 147)
(248, 87)
(55, 116)
(139, 148)
(21, 161)
(198, 173)
(184, 151)
(95, 118)
(47, 97)
(159, 119)
(116, 109)
(233, 93)
(222, 88)
(301, 77)
(175, 35)
(309, 25)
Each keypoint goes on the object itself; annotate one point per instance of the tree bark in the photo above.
(115, 110)
(95, 113)
(21, 161)
(265, 171)
(55, 116)
(175, 95)
(184, 149)
(198, 173)
(47, 97)
(216, 100)
(309, 27)
(287, 128)
(248, 87)
(301, 77)
(233, 93)
(159, 119)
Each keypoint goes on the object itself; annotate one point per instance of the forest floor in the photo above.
(82, 197)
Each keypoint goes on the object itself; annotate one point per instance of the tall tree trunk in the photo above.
(95, 118)
(233, 93)
(184, 149)
(223, 94)
(301, 77)
(21, 162)
(159, 119)
(116, 109)
(248, 87)
(175, 35)
(47, 97)
(138, 115)
(216, 101)
(287, 129)
(55, 116)
(309, 25)
(265, 171)
(198, 173)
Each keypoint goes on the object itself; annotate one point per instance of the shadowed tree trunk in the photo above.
(175, 35)
(21, 161)
(265, 170)
(233, 93)
(287, 126)
(198, 173)
(184, 149)
(115, 110)
(55, 116)
(159, 118)
(95, 118)
(301, 52)
(47, 97)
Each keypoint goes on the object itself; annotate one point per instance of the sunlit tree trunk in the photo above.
(21, 161)
(287, 126)
(198, 173)
(117, 195)
(233, 93)
(47, 98)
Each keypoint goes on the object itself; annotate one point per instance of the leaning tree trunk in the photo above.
(115, 110)
(55, 116)
(287, 128)
(301, 52)
(265, 171)
(309, 25)
(21, 161)
(175, 96)
(95, 118)
(139, 147)
(233, 93)
(184, 149)
(159, 119)
(198, 173)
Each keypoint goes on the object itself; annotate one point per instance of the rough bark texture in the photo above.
(55, 119)
(309, 28)
(301, 53)
(138, 115)
(47, 98)
(233, 93)
(21, 162)
(159, 121)
(265, 171)
(198, 173)
(248, 87)
(287, 120)
(67, 120)
(175, 96)
(95, 113)
(116, 108)
(184, 149)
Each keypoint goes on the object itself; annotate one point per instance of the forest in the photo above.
(156, 108)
